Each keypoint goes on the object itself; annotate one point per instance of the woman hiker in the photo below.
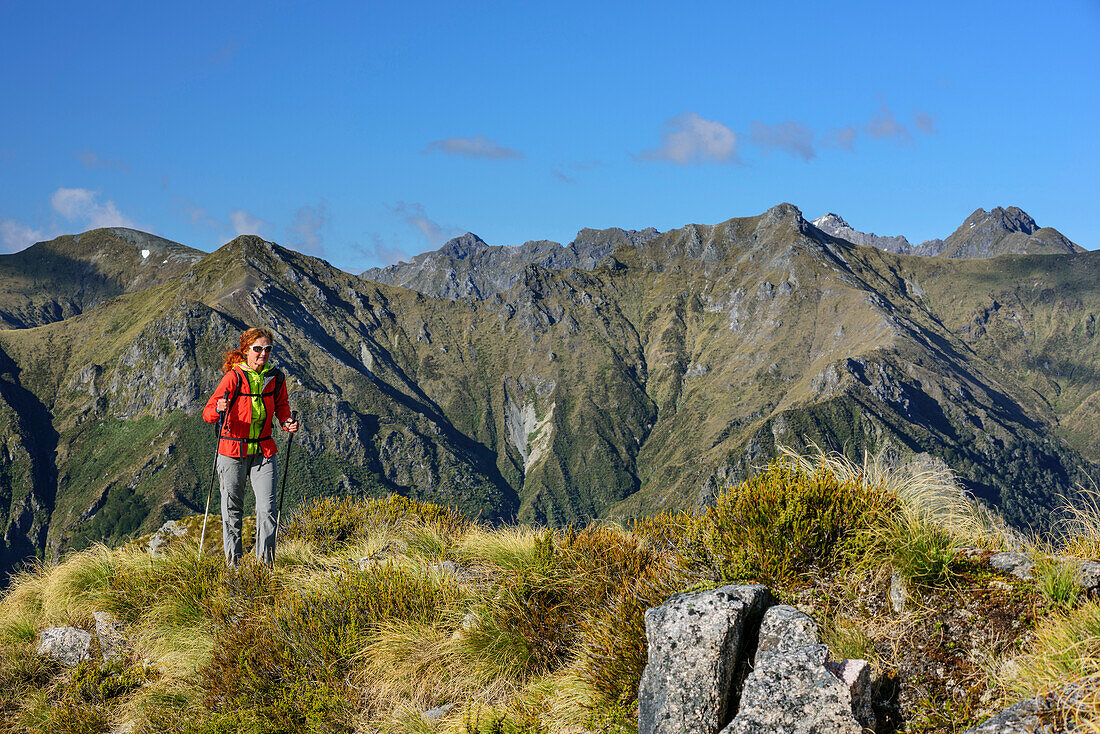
(250, 395)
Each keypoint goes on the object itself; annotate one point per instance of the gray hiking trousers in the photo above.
(231, 475)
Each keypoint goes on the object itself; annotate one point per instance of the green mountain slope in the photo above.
(672, 368)
(54, 280)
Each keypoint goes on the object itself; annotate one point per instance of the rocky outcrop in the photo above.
(793, 687)
(701, 645)
(72, 645)
(1011, 562)
(1005, 232)
(1045, 714)
(162, 538)
(984, 234)
(696, 643)
(111, 634)
(66, 645)
(835, 225)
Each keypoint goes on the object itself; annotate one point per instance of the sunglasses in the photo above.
(258, 349)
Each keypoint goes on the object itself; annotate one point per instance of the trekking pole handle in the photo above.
(221, 413)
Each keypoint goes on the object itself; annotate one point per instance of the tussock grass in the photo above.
(1080, 524)
(380, 610)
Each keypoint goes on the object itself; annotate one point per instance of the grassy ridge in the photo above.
(378, 611)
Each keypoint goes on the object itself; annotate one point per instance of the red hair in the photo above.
(238, 355)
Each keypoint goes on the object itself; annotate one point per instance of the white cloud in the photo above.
(843, 138)
(245, 223)
(925, 122)
(82, 206)
(885, 125)
(15, 236)
(794, 138)
(380, 251)
(433, 231)
(95, 161)
(305, 230)
(477, 146)
(689, 138)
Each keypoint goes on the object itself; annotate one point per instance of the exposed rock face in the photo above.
(784, 628)
(467, 267)
(1038, 715)
(695, 643)
(793, 689)
(168, 532)
(835, 225)
(1005, 232)
(66, 645)
(1014, 563)
(1087, 576)
(984, 234)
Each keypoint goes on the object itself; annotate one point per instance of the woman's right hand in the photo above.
(222, 405)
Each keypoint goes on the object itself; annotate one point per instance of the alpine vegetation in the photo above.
(395, 615)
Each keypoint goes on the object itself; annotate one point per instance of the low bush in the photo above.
(785, 523)
(332, 522)
(287, 656)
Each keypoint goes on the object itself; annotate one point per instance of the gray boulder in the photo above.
(66, 645)
(169, 531)
(696, 641)
(785, 628)
(793, 692)
(1033, 716)
(793, 688)
(1014, 563)
(111, 634)
(1087, 575)
(433, 716)
(899, 592)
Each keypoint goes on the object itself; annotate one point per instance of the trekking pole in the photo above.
(213, 472)
(282, 487)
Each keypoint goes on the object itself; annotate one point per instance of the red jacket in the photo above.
(238, 421)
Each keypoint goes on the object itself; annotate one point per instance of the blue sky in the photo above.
(366, 132)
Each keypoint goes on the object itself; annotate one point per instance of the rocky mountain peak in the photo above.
(463, 246)
(784, 211)
(1012, 219)
(830, 221)
(836, 226)
(1004, 231)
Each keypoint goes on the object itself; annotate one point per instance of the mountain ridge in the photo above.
(983, 234)
(673, 366)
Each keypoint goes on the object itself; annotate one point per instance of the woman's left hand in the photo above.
(291, 426)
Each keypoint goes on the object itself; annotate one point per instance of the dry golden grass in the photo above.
(535, 629)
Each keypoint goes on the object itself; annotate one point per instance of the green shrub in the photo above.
(91, 683)
(332, 522)
(287, 656)
(612, 646)
(784, 523)
(490, 721)
(45, 717)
